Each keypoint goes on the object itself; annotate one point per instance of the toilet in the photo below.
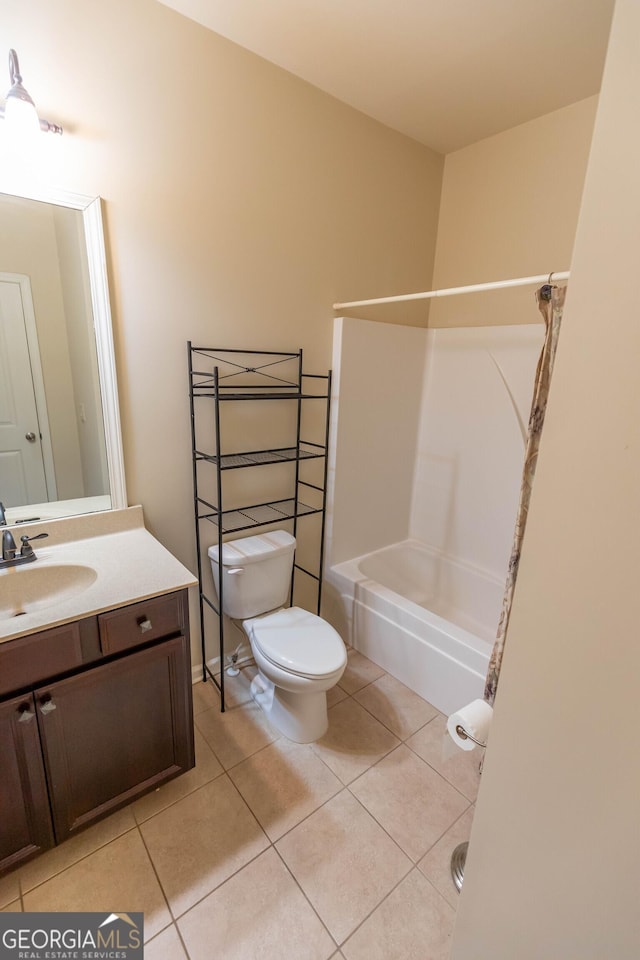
(299, 655)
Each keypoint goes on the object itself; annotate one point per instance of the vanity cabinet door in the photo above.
(25, 821)
(115, 732)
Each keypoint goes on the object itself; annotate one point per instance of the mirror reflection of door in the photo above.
(26, 462)
(43, 249)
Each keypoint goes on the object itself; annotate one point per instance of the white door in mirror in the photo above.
(22, 472)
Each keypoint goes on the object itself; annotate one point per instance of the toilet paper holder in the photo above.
(464, 735)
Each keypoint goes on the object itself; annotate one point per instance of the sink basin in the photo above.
(28, 589)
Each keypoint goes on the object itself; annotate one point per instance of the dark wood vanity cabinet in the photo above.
(25, 822)
(99, 735)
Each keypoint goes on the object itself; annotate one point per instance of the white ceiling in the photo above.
(445, 72)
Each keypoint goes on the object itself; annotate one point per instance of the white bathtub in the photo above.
(428, 620)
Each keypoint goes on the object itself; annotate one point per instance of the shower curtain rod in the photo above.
(452, 291)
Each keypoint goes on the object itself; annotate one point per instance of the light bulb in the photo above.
(20, 118)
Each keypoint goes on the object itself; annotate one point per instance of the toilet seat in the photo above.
(299, 642)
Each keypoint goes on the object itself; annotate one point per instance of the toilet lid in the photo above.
(300, 642)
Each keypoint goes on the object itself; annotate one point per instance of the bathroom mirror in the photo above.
(60, 437)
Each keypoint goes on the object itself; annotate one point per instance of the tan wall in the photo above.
(553, 862)
(240, 204)
(509, 209)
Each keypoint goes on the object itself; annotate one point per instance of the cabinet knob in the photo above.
(145, 624)
(47, 706)
(26, 714)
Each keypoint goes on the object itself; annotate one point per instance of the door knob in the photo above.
(25, 714)
(31, 437)
(47, 706)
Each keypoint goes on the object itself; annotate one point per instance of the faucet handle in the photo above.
(3, 519)
(27, 549)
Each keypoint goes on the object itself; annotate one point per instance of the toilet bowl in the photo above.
(298, 654)
(299, 657)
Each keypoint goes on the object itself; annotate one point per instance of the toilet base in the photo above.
(299, 717)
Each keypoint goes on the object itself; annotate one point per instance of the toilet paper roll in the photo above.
(475, 719)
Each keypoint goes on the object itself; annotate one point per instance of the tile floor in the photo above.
(271, 849)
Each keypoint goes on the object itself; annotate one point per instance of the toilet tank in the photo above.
(256, 573)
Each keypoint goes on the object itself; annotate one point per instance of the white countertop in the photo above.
(130, 565)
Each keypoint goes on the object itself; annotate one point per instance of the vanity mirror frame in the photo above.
(91, 210)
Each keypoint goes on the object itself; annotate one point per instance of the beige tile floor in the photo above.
(283, 851)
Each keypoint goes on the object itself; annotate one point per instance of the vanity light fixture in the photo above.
(19, 109)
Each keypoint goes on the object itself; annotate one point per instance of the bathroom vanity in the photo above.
(95, 679)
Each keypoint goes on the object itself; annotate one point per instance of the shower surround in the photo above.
(428, 441)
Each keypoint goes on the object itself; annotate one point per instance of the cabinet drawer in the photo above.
(141, 622)
(29, 660)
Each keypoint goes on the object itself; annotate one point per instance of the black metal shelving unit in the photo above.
(219, 376)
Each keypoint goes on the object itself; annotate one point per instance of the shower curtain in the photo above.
(551, 304)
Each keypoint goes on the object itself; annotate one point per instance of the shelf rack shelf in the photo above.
(249, 376)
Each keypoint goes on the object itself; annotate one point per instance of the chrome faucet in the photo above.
(3, 519)
(10, 555)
